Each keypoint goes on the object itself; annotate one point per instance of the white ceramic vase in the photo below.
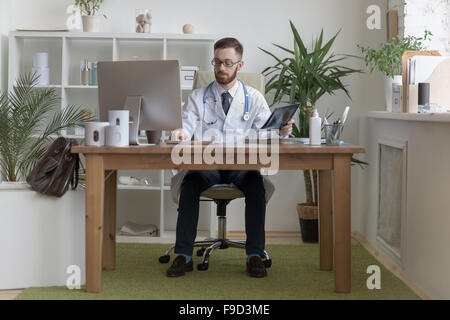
(388, 82)
(91, 23)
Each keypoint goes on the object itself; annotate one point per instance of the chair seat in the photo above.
(223, 192)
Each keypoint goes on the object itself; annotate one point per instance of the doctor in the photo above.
(225, 104)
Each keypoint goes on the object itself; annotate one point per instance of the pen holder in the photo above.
(333, 134)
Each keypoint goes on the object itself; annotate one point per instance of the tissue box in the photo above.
(187, 76)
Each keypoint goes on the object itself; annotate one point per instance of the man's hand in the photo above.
(180, 135)
(287, 129)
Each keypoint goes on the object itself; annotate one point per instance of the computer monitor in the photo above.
(157, 82)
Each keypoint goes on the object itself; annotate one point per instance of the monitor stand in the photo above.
(133, 104)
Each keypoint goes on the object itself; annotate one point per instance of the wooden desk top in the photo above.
(167, 148)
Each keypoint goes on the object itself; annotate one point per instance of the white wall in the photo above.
(256, 24)
(426, 258)
(415, 16)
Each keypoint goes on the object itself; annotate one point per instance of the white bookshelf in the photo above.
(141, 204)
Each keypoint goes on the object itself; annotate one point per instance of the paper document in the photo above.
(422, 67)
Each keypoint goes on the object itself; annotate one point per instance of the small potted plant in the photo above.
(388, 59)
(30, 118)
(90, 17)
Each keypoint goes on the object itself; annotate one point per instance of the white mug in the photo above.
(116, 136)
(95, 133)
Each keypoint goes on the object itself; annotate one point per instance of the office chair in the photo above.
(221, 194)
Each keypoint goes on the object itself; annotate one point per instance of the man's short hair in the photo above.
(230, 43)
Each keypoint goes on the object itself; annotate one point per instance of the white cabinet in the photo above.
(66, 50)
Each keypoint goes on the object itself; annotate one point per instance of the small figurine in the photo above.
(143, 22)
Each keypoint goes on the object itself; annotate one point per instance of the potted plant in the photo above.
(89, 10)
(304, 76)
(24, 134)
(388, 59)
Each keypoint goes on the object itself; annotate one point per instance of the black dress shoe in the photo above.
(256, 268)
(179, 267)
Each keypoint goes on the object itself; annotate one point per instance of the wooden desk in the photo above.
(103, 162)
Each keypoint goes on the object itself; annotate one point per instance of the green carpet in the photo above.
(294, 274)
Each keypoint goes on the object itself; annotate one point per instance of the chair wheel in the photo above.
(200, 252)
(268, 263)
(202, 266)
(164, 259)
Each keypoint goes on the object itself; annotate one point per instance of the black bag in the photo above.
(56, 170)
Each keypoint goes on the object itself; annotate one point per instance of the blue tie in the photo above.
(226, 101)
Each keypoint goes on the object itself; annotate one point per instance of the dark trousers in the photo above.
(195, 182)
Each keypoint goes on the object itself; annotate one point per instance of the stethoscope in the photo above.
(246, 115)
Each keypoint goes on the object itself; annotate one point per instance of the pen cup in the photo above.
(333, 134)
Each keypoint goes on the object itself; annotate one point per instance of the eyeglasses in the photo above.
(228, 64)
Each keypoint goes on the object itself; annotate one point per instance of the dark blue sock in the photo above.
(188, 258)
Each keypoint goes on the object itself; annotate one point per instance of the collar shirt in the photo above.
(232, 91)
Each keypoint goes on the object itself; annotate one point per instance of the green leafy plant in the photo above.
(89, 7)
(388, 57)
(304, 76)
(27, 126)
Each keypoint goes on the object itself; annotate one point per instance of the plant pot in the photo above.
(153, 137)
(388, 82)
(40, 238)
(308, 217)
(91, 23)
(17, 185)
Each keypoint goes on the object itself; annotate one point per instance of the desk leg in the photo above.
(109, 221)
(342, 207)
(94, 221)
(325, 220)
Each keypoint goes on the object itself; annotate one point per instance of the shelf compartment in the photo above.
(82, 98)
(138, 206)
(189, 55)
(139, 49)
(25, 48)
(80, 49)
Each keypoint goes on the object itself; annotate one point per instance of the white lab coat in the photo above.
(211, 116)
